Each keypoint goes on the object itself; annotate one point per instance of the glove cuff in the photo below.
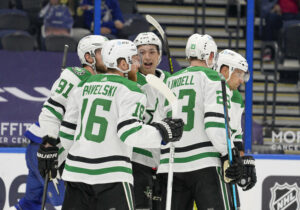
(52, 141)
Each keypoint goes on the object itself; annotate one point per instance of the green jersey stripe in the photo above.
(214, 125)
(61, 150)
(66, 136)
(52, 110)
(239, 137)
(129, 195)
(191, 158)
(224, 190)
(129, 132)
(98, 171)
(142, 152)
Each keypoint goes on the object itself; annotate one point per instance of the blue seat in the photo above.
(56, 43)
(134, 24)
(18, 41)
(4, 4)
(13, 19)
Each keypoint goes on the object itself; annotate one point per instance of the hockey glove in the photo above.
(232, 173)
(248, 179)
(48, 157)
(170, 129)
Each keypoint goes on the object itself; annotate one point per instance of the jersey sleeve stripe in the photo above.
(68, 125)
(55, 113)
(99, 160)
(188, 148)
(55, 103)
(126, 122)
(61, 150)
(129, 132)
(214, 125)
(191, 158)
(142, 152)
(239, 137)
(66, 136)
(214, 114)
(98, 171)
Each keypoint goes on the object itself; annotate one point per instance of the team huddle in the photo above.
(104, 134)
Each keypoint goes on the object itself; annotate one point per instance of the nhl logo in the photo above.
(285, 197)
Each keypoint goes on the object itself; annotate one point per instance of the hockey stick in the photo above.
(64, 60)
(163, 35)
(45, 191)
(158, 27)
(224, 95)
(165, 91)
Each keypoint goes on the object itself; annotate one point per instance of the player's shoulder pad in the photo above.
(237, 98)
(141, 79)
(133, 86)
(81, 73)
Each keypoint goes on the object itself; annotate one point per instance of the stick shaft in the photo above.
(45, 191)
(64, 60)
(224, 95)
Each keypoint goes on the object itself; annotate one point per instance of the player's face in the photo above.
(100, 67)
(236, 79)
(150, 57)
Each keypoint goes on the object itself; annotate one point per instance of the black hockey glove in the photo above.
(48, 157)
(232, 173)
(248, 179)
(170, 129)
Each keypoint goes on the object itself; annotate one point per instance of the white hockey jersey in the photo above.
(200, 105)
(237, 109)
(149, 157)
(109, 124)
(55, 107)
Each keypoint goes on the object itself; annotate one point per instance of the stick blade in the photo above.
(153, 22)
(161, 87)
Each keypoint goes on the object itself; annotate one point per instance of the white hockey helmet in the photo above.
(234, 61)
(149, 38)
(200, 46)
(89, 44)
(118, 48)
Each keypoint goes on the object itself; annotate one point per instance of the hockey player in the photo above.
(34, 187)
(145, 161)
(199, 156)
(50, 119)
(110, 107)
(234, 68)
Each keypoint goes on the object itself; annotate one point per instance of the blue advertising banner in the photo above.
(25, 82)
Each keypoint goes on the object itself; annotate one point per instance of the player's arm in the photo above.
(134, 132)
(236, 120)
(214, 124)
(50, 119)
(68, 125)
(214, 121)
(54, 108)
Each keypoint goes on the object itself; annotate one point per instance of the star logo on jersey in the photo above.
(193, 46)
(284, 197)
(78, 71)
